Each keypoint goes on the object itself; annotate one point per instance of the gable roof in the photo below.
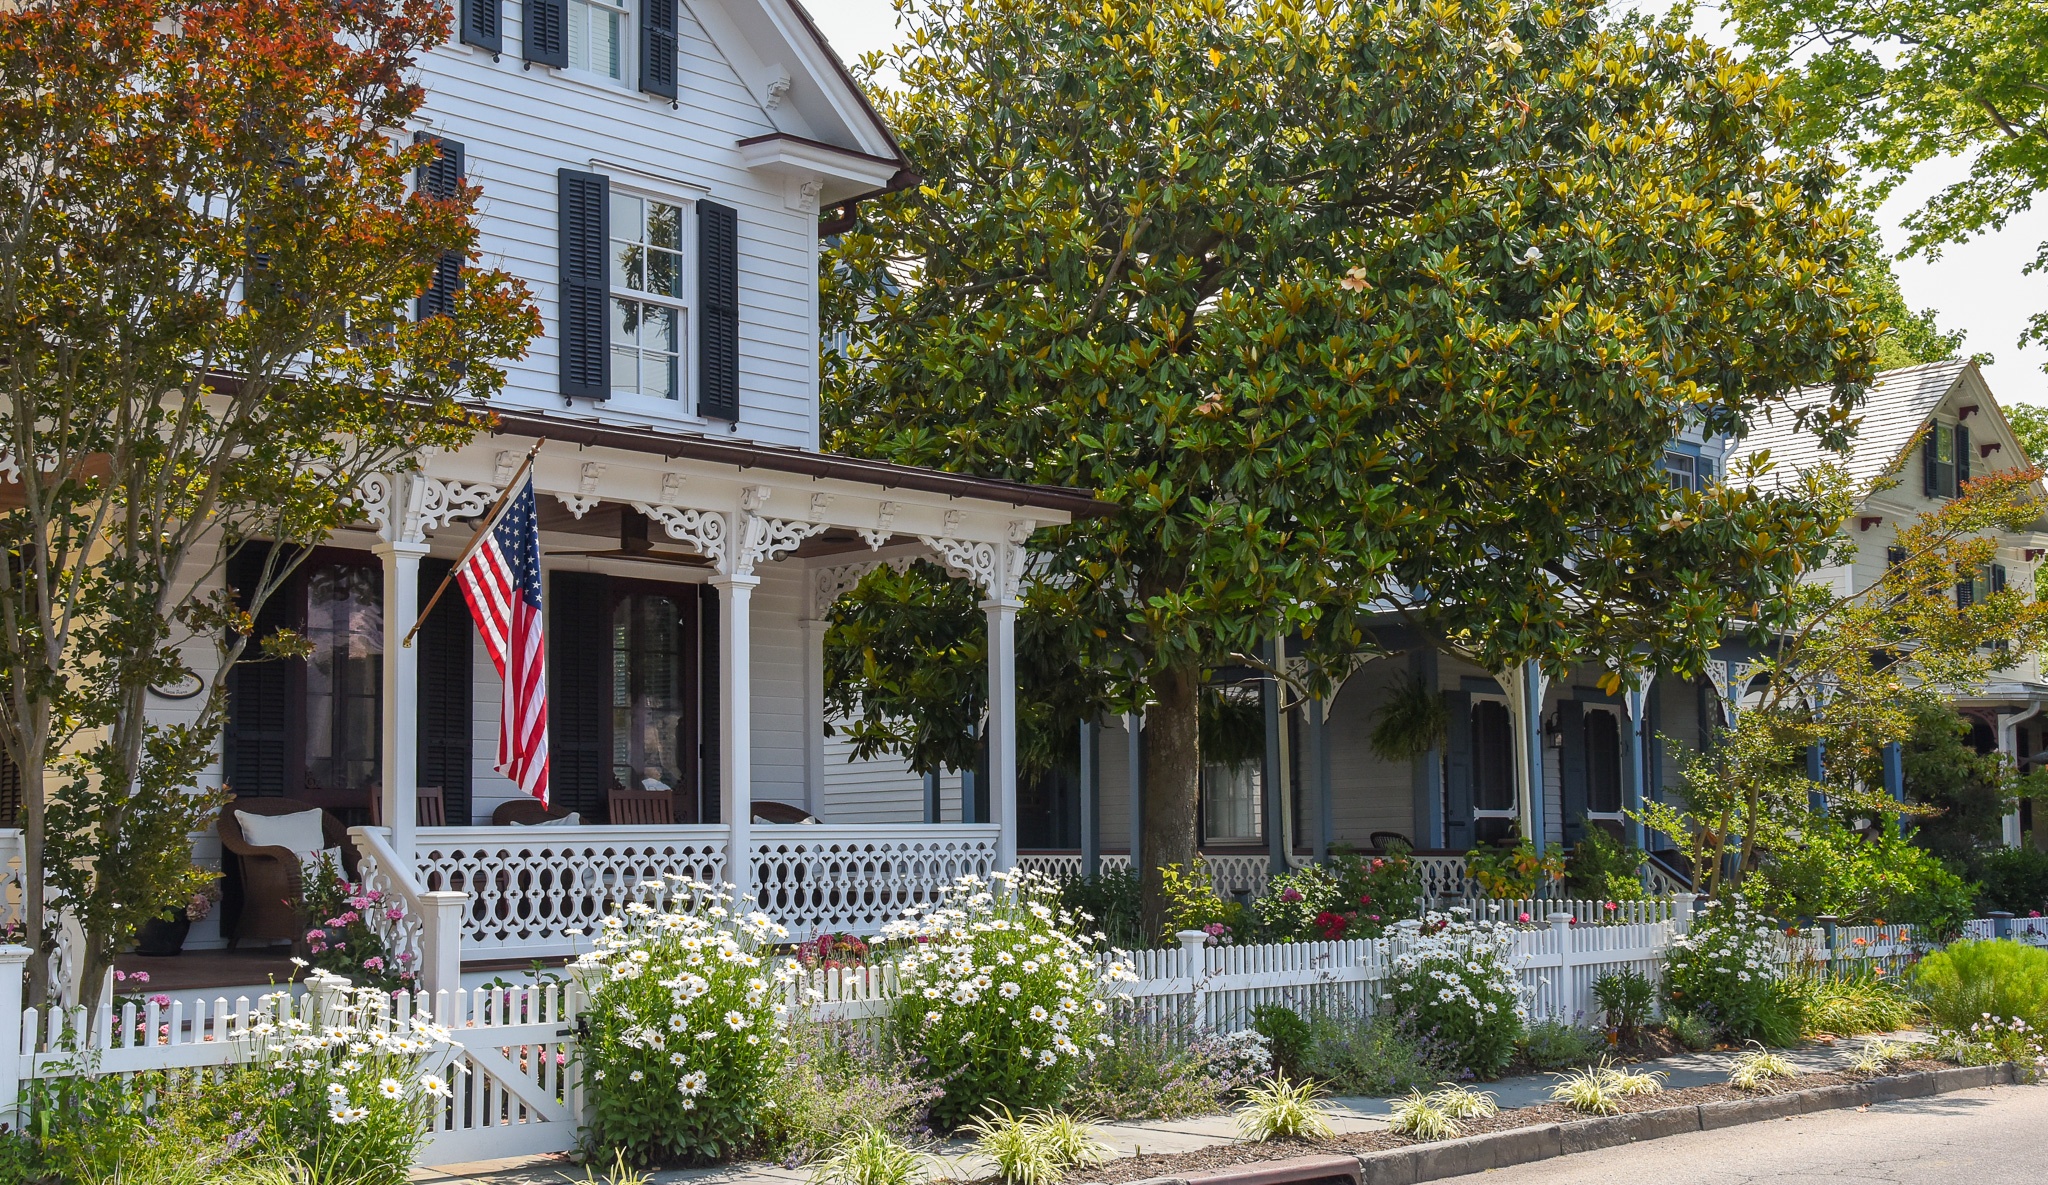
(804, 87)
(1893, 411)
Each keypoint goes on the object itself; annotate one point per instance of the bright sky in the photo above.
(1977, 287)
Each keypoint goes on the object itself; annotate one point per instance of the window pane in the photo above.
(1231, 801)
(647, 718)
(659, 331)
(658, 375)
(1493, 757)
(612, 41)
(625, 321)
(344, 678)
(629, 266)
(625, 370)
(626, 215)
(664, 273)
(665, 225)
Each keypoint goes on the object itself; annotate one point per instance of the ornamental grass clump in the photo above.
(1725, 970)
(1452, 987)
(1000, 995)
(685, 1019)
(1278, 1108)
(871, 1156)
(1420, 1115)
(1758, 1068)
(1036, 1147)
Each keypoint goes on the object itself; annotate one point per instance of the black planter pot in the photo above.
(163, 937)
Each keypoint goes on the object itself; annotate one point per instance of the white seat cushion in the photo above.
(300, 831)
(572, 819)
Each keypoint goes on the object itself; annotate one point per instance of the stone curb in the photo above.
(1523, 1145)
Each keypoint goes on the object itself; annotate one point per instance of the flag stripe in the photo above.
(501, 580)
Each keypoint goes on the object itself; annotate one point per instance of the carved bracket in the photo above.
(405, 506)
(702, 530)
(763, 539)
(829, 584)
(966, 559)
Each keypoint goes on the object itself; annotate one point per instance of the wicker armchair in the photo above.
(272, 882)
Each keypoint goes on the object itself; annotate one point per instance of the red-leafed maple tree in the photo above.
(210, 252)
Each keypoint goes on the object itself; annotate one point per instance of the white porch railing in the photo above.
(1231, 872)
(818, 879)
(540, 892)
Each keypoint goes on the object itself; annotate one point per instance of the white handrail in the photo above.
(428, 936)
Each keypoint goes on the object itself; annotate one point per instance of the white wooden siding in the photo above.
(1368, 793)
(518, 126)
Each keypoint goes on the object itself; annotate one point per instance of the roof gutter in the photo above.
(849, 210)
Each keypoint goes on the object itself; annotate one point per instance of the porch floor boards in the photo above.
(200, 969)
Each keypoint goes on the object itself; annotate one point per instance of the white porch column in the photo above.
(1637, 700)
(1002, 724)
(2009, 744)
(399, 771)
(735, 728)
(1526, 686)
(814, 715)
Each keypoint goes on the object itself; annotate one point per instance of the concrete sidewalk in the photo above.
(1129, 1138)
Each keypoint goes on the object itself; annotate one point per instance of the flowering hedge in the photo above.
(685, 1016)
(1724, 969)
(1000, 994)
(348, 1090)
(1453, 988)
(343, 941)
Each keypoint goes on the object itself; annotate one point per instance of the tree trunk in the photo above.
(1173, 766)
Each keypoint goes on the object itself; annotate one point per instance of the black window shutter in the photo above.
(579, 613)
(256, 745)
(547, 33)
(718, 298)
(446, 693)
(1962, 456)
(1571, 764)
(586, 284)
(483, 24)
(1930, 464)
(1966, 593)
(1998, 578)
(1894, 556)
(1458, 770)
(10, 792)
(658, 47)
(441, 180)
(707, 682)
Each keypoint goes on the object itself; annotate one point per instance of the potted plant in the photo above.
(164, 935)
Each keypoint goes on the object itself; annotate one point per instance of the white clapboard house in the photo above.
(659, 173)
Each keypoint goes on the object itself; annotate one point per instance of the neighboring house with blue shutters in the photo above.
(659, 174)
(1931, 428)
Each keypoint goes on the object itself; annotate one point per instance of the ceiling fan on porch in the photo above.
(636, 542)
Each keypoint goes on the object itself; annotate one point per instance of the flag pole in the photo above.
(489, 519)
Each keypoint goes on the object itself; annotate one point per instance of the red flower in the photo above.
(1331, 925)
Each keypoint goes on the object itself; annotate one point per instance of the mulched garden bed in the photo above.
(1223, 1156)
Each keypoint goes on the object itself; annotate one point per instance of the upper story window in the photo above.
(649, 317)
(1687, 471)
(1945, 460)
(597, 38)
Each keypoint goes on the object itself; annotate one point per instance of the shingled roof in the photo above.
(1893, 412)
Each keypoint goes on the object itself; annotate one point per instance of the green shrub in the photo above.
(2014, 880)
(684, 1022)
(1962, 983)
(1624, 998)
(1109, 901)
(1160, 1067)
(1357, 1054)
(1724, 968)
(1837, 871)
(999, 995)
(1289, 908)
(1453, 990)
(1193, 904)
(836, 1084)
(1286, 1034)
(1851, 1004)
(1689, 1030)
(1603, 868)
(1373, 892)
(1552, 1044)
(1515, 872)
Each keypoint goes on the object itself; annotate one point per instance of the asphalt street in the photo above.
(1991, 1136)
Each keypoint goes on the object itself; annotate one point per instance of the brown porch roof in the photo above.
(776, 459)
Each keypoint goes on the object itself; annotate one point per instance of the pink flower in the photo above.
(1611, 906)
(1290, 895)
(1522, 917)
(373, 963)
(394, 914)
(312, 935)
(406, 958)
(160, 1000)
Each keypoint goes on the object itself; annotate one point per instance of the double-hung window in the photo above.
(597, 38)
(649, 315)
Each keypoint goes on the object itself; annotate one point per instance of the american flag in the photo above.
(501, 578)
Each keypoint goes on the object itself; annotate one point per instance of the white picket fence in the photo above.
(2033, 931)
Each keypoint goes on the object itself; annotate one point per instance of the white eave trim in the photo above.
(844, 172)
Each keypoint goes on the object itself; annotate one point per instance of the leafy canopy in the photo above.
(1903, 82)
(210, 247)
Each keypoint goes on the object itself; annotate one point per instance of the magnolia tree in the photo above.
(212, 259)
(1853, 674)
(1346, 309)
